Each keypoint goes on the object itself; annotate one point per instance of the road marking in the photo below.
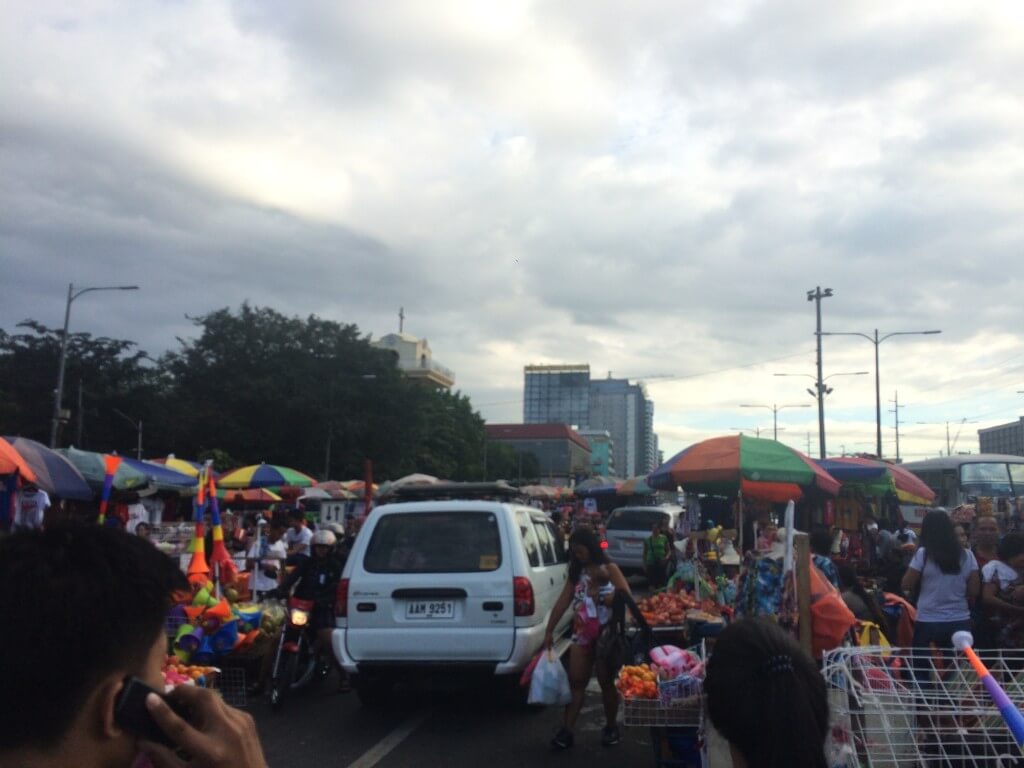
(380, 750)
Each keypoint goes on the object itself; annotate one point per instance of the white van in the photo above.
(453, 585)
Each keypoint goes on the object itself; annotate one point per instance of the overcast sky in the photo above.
(650, 187)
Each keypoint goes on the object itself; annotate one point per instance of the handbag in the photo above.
(616, 645)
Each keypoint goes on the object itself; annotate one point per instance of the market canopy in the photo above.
(54, 473)
(636, 486)
(247, 496)
(598, 485)
(265, 476)
(190, 468)
(756, 467)
(12, 462)
(93, 469)
(163, 477)
(874, 477)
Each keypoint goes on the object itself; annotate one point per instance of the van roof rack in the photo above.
(497, 491)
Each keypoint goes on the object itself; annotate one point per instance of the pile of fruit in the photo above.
(667, 609)
(637, 682)
(176, 673)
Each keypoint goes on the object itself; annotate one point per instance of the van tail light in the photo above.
(604, 543)
(522, 592)
(341, 600)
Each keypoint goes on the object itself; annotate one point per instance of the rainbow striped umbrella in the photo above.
(264, 476)
(877, 478)
(760, 468)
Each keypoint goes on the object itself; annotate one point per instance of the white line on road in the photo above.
(380, 750)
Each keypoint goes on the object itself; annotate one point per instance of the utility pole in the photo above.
(808, 443)
(896, 415)
(81, 417)
(401, 319)
(816, 296)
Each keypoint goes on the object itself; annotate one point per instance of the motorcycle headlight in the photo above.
(299, 617)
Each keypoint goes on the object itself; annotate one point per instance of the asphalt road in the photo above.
(474, 726)
(469, 726)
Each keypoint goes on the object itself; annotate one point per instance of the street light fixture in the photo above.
(876, 340)
(58, 394)
(138, 429)
(775, 413)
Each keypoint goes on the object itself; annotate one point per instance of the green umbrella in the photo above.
(90, 464)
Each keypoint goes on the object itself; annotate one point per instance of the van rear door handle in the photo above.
(366, 607)
(493, 606)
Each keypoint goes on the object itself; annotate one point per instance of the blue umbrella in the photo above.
(54, 473)
(162, 477)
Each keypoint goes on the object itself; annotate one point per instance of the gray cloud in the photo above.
(652, 189)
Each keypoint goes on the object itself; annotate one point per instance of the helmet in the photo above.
(336, 528)
(323, 537)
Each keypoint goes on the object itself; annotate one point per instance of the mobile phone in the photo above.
(131, 713)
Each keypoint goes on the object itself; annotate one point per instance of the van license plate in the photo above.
(430, 609)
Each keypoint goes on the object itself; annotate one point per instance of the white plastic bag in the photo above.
(549, 684)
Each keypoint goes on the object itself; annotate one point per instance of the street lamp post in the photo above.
(878, 389)
(816, 296)
(138, 429)
(775, 413)
(58, 394)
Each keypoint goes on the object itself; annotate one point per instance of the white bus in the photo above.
(963, 478)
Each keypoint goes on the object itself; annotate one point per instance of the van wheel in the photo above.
(373, 692)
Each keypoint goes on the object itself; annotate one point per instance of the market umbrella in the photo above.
(163, 477)
(636, 486)
(759, 468)
(247, 496)
(190, 468)
(414, 479)
(93, 469)
(54, 473)
(597, 485)
(877, 478)
(12, 462)
(265, 476)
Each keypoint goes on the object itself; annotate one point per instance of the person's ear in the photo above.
(105, 702)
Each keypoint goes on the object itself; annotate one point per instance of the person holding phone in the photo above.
(86, 608)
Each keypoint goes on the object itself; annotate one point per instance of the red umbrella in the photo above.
(11, 462)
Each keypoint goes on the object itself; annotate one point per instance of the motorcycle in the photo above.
(296, 663)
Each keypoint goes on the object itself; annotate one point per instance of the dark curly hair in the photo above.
(766, 697)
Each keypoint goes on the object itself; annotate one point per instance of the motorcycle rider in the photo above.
(316, 579)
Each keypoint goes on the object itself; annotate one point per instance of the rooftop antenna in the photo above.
(401, 319)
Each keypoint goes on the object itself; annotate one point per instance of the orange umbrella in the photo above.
(11, 462)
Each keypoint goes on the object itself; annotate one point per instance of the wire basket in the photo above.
(232, 686)
(651, 712)
(912, 707)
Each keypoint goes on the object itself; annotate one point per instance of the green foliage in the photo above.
(308, 393)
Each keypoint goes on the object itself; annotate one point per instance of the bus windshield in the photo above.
(985, 479)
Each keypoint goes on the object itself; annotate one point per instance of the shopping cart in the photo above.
(895, 708)
(675, 719)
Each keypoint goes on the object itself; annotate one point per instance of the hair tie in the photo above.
(779, 664)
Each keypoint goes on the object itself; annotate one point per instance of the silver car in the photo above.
(628, 527)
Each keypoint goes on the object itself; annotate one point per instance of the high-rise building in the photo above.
(626, 412)
(565, 394)
(1005, 438)
(556, 394)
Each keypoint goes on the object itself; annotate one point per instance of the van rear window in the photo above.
(635, 519)
(434, 542)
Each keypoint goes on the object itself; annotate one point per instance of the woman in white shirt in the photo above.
(947, 576)
(1002, 596)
